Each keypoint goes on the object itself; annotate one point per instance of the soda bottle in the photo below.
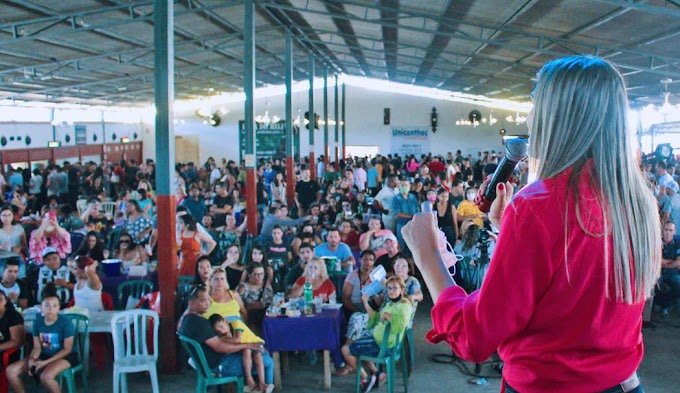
(309, 298)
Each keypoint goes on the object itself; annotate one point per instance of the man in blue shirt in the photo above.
(335, 248)
(372, 177)
(195, 204)
(404, 206)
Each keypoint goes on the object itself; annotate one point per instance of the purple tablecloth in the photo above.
(110, 283)
(305, 333)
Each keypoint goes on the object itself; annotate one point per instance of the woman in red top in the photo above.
(315, 272)
(190, 245)
(578, 251)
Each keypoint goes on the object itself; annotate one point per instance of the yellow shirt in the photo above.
(229, 311)
(467, 208)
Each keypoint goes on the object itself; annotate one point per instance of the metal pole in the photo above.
(325, 117)
(103, 156)
(249, 89)
(312, 117)
(290, 170)
(337, 126)
(344, 124)
(165, 158)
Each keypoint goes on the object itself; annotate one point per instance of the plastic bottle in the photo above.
(309, 298)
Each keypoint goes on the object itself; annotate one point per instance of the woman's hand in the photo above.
(364, 298)
(386, 316)
(504, 192)
(421, 233)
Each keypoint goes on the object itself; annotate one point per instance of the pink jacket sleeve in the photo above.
(520, 272)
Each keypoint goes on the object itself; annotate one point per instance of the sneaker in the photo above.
(368, 384)
(269, 388)
(250, 389)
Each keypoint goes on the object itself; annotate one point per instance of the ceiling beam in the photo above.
(642, 7)
(345, 26)
(78, 22)
(442, 36)
(390, 34)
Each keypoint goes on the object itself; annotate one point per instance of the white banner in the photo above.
(407, 141)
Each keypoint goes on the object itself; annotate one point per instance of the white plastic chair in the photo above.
(108, 207)
(130, 347)
(81, 205)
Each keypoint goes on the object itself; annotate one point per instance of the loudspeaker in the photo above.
(386, 116)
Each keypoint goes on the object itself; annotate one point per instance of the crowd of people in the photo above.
(353, 211)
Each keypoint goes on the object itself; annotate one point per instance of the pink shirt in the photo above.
(36, 248)
(554, 334)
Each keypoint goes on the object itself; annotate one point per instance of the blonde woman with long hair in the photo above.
(579, 249)
(316, 273)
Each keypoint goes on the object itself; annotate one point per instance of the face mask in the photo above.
(471, 196)
(432, 198)
(404, 190)
(397, 299)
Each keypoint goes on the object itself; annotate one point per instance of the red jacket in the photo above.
(554, 333)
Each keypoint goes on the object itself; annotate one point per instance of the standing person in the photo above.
(566, 319)
(34, 189)
(190, 245)
(306, 191)
(195, 204)
(360, 177)
(278, 190)
(404, 205)
(137, 225)
(383, 203)
(447, 218)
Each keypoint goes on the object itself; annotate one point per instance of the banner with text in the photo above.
(407, 141)
(270, 140)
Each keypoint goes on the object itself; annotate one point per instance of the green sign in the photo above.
(270, 140)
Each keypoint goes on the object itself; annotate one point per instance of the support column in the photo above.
(290, 169)
(337, 127)
(312, 118)
(249, 90)
(325, 117)
(344, 124)
(165, 171)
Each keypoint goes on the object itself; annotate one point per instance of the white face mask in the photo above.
(471, 196)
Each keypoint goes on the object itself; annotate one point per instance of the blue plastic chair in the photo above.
(82, 325)
(389, 357)
(206, 377)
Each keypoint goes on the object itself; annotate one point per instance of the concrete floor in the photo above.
(659, 370)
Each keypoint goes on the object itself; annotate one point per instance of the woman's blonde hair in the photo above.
(322, 268)
(218, 270)
(580, 113)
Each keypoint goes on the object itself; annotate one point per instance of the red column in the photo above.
(290, 181)
(312, 164)
(251, 200)
(337, 158)
(167, 276)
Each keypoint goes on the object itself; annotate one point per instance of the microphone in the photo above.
(515, 151)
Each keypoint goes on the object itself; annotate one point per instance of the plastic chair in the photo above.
(388, 357)
(82, 325)
(98, 341)
(76, 240)
(411, 343)
(184, 285)
(133, 288)
(206, 377)
(107, 207)
(81, 205)
(4, 385)
(130, 349)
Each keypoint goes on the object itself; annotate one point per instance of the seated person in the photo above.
(256, 294)
(11, 329)
(52, 346)
(335, 248)
(315, 273)
(129, 251)
(88, 289)
(295, 272)
(54, 272)
(217, 352)
(223, 330)
(396, 311)
(13, 287)
(93, 247)
(49, 234)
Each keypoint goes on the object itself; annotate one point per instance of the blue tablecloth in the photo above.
(305, 333)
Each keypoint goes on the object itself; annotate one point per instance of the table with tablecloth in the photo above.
(321, 331)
